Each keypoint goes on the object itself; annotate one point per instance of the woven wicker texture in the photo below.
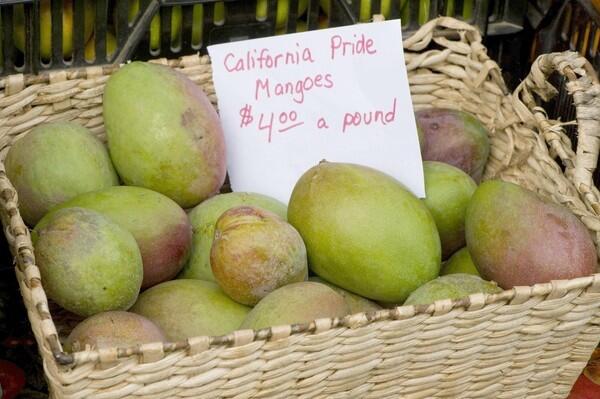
(528, 342)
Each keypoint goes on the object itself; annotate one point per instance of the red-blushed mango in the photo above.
(516, 238)
(364, 231)
(203, 218)
(160, 227)
(448, 191)
(452, 286)
(190, 308)
(296, 303)
(454, 137)
(111, 330)
(255, 252)
(356, 303)
(88, 263)
(460, 262)
(163, 133)
(55, 162)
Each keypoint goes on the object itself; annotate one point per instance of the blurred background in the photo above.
(38, 36)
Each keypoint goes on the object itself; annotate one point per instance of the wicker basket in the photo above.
(525, 342)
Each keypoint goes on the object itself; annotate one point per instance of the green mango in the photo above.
(163, 133)
(203, 219)
(452, 286)
(518, 238)
(55, 162)
(460, 262)
(160, 227)
(356, 303)
(364, 231)
(88, 263)
(448, 192)
(296, 303)
(190, 308)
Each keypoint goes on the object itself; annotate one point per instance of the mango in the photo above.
(460, 262)
(452, 286)
(113, 329)
(88, 264)
(255, 252)
(55, 162)
(454, 137)
(163, 133)
(518, 238)
(364, 231)
(448, 192)
(295, 304)
(356, 303)
(190, 308)
(203, 218)
(160, 227)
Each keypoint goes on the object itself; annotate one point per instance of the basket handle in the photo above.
(440, 27)
(582, 84)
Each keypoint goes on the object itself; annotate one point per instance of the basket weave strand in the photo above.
(525, 342)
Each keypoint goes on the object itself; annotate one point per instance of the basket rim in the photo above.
(24, 252)
(516, 295)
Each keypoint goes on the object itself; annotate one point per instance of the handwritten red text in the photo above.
(264, 88)
(357, 46)
(285, 121)
(264, 59)
(367, 118)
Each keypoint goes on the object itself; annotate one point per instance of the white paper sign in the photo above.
(341, 94)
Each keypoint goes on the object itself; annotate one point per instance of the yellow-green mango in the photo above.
(203, 218)
(364, 231)
(55, 162)
(163, 133)
(160, 227)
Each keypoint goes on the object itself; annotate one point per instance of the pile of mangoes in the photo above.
(136, 238)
